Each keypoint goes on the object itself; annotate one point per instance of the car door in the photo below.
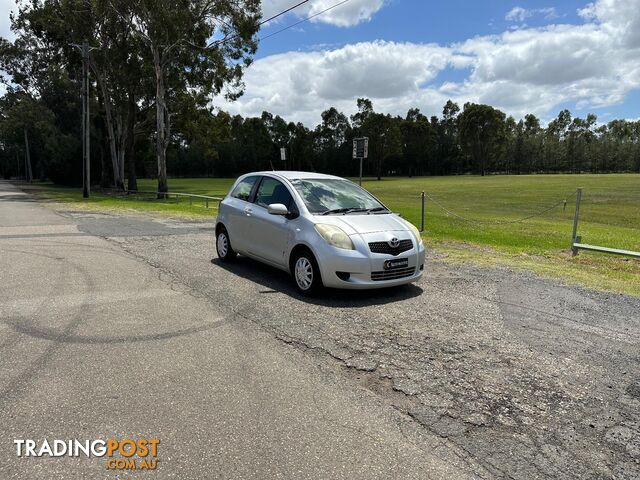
(271, 234)
(239, 208)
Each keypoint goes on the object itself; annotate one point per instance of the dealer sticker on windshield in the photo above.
(396, 263)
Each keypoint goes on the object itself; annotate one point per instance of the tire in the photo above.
(305, 271)
(223, 246)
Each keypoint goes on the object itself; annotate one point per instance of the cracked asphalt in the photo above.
(115, 325)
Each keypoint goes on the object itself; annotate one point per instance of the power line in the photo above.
(304, 20)
(282, 13)
(273, 17)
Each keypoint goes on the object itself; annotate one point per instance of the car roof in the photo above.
(292, 175)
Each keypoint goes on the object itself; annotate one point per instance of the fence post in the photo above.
(422, 215)
(576, 216)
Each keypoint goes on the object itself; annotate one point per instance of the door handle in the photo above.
(248, 211)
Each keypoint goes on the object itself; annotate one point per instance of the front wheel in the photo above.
(223, 246)
(306, 272)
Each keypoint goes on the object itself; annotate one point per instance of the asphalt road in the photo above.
(130, 327)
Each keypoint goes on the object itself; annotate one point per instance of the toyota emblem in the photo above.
(394, 242)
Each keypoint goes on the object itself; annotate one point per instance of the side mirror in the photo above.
(277, 209)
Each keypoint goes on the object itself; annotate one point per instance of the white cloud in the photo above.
(519, 14)
(535, 70)
(347, 15)
(619, 18)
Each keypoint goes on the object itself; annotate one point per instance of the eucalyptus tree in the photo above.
(448, 140)
(330, 141)
(385, 139)
(47, 34)
(482, 134)
(419, 139)
(192, 45)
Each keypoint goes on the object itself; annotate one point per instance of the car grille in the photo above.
(383, 247)
(392, 274)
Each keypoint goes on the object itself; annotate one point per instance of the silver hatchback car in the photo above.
(324, 230)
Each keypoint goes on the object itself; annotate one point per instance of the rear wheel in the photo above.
(223, 246)
(306, 273)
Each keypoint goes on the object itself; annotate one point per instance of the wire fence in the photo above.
(576, 240)
(544, 211)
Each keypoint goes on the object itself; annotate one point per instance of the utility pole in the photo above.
(86, 155)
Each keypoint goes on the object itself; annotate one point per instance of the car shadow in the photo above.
(278, 281)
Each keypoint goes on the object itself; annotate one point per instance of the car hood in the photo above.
(360, 224)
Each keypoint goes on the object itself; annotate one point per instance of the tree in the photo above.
(385, 139)
(419, 141)
(114, 62)
(482, 134)
(330, 141)
(177, 38)
(365, 109)
(448, 139)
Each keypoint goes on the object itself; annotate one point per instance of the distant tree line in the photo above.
(154, 70)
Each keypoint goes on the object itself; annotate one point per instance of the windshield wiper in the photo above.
(378, 209)
(345, 211)
(338, 210)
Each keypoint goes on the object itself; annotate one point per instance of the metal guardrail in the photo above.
(576, 241)
(596, 248)
(165, 195)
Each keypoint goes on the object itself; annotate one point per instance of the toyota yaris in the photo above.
(324, 230)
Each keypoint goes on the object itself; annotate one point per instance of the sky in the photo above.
(520, 56)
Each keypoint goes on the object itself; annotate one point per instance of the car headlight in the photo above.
(335, 236)
(416, 232)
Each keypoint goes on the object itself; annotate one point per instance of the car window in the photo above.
(243, 189)
(273, 191)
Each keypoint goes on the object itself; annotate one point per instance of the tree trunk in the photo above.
(118, 181)
(132, 182)
(121, 139)
(162, 125)
(29, 172)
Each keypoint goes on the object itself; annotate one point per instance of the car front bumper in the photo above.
(367, 270)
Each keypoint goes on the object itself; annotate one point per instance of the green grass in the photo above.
(610, 216)
(65, 198)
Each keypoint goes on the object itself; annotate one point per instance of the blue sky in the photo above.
(416, 21)
(520, 56)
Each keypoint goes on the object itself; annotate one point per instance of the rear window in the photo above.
(243, 189)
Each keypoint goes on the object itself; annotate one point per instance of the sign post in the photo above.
(361, 151)
(283, 156)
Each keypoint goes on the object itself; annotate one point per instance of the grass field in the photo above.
(610, 216)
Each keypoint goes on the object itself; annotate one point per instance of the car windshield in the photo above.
(336, 196)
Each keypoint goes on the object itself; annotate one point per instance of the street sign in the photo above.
(361, 147)
(360, 151)
(283, 154)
